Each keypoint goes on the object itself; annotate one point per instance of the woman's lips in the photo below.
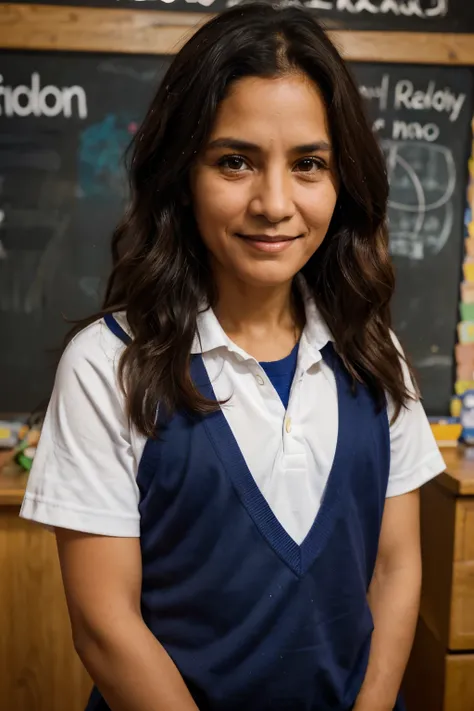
(267, 243)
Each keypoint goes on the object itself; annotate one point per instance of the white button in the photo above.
(288, 425)
(259, 380)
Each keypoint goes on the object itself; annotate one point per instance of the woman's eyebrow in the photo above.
(236, 144)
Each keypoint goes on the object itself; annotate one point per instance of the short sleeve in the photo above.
(84, 472)
(415, 456)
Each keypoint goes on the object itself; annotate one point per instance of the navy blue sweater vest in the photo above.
(251, 619)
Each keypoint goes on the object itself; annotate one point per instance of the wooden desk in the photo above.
(12, 487)
(440, 675)
(39, 669)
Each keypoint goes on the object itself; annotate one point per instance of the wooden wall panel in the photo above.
(56, 27)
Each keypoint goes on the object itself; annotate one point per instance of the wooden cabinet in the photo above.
(39, 669)
(440, 674)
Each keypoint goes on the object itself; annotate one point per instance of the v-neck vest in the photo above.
(251, 619)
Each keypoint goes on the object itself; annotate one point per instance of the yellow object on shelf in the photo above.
(461, 386)
(456, 407)
(446, 434)
(468, 269)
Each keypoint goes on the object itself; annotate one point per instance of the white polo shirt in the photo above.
(84, 473)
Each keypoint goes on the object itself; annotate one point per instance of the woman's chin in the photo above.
(267, 276)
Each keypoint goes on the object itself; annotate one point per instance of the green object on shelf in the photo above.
(467, 312)
(24, 461)
(25, 455)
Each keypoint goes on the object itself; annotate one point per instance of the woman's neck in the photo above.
(264, 322)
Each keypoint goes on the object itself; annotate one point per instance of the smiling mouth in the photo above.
(268, 244)
(267, 238)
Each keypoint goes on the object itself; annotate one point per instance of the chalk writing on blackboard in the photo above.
(406, 8)
(421, 169)
(424, 9)
(406, 95)
(112, 67)
(36, 100)
(423, 176)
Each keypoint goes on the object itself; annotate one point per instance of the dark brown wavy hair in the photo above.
(161, 273)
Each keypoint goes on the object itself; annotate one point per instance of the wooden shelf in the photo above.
(13, 483)
(130, 31)
(459, 475)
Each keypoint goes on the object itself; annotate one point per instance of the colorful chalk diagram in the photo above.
(423, 176)
(101, 152)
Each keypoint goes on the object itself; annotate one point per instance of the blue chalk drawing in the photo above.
(101, 151)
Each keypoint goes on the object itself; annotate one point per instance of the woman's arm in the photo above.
(102, 580)
(394, 601)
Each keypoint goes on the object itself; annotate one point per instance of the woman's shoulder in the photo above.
(94, 348)
(87, 440)
(87, 386)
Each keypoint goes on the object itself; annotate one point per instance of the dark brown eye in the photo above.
(233, 163)
(309, 165)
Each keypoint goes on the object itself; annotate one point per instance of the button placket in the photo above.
(294, 394)
(269, 394)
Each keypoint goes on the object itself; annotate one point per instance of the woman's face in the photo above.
(264, 188)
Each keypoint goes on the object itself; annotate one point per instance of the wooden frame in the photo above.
(129, 31)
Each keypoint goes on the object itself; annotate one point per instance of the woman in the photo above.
(234, 445)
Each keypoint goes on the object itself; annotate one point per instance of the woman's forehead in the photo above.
(288, 109)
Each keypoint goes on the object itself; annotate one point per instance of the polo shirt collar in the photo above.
(211, 336)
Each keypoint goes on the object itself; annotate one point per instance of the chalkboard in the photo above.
(403, 15)
(423, 120)
(62, 190)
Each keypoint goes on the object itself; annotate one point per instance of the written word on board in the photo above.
(405, 15)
